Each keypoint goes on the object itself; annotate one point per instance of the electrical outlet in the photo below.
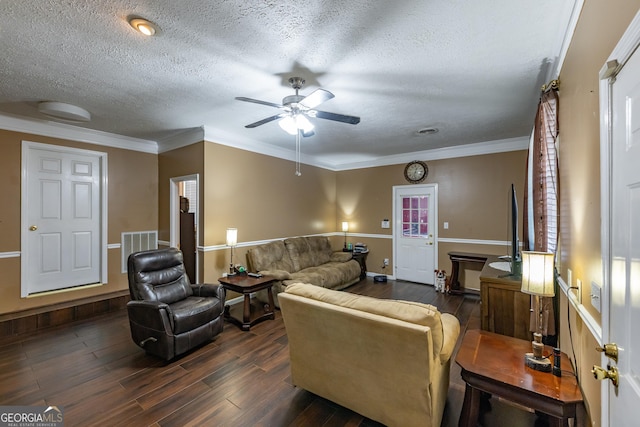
(579, 290)
(385, 262)
(596, 296)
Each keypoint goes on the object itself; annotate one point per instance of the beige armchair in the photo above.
(387, 360)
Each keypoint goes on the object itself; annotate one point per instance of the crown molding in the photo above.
(76, 133)
(185, 137)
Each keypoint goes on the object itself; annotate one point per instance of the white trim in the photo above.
(114, 246)
(104, 220)
(625, 47)
(592, 324)
(477, 149)
(14, 254)
(567, 36)
(365, 235)
(76, 133)
(181, 139)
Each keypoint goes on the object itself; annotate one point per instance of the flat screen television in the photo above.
(516, 259)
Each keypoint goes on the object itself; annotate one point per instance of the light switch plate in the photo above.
(384, 223)
(596, 296)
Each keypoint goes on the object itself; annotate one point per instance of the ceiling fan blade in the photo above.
(257, 101)
(267, 120)
(337, 117)
(316, 98)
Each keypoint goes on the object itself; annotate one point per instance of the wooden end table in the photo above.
(494, 364)
(245, 285)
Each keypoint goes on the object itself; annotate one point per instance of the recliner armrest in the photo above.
(209, 290)
(154, 314)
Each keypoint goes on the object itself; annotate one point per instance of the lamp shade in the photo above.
(345, 226)
(232, 236)
(537, 274)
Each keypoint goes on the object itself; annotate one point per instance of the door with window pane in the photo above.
(415, 234)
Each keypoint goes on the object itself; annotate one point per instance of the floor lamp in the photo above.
(232, 241)
(538, 280)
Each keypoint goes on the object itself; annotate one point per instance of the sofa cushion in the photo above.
(300, 253)
(320, 248)
(408, 311)
(270, 256)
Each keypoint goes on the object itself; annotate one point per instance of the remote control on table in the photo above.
(256, 275)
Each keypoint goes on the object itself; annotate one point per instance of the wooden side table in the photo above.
(494, 364)
(361, 257)
(456, 258)
(245, 285)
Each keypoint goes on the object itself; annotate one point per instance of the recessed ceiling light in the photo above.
(143, 26)
(61, 110)
(427, 131)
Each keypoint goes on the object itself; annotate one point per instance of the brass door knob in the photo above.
(601, 374)
(33, 228)
(609, 350)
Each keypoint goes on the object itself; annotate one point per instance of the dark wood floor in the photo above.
(94, 371)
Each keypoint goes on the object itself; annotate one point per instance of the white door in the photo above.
(624, 311)
(415, 232)
(61, 219)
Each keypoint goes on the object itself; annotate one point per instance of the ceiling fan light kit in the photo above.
(297, 108)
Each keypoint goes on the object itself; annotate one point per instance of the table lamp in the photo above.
(345, 228)
(232, 241)
(538, 280)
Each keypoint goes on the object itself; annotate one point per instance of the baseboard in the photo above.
(33, 320)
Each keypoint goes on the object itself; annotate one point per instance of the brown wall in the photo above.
(473, 197)
(601, 25)
(132, 190)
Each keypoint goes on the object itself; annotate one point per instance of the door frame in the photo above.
(624, 49)
(174, 215)
(396, 229)
(24, 226)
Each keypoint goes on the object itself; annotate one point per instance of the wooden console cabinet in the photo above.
(505, 309)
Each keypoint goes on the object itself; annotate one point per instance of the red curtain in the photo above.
(543, 198)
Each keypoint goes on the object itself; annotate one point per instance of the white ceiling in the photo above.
(472, 69)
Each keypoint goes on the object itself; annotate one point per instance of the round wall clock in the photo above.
(416, 171)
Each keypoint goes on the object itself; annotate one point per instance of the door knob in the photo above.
(601, 374)
(33, 228)
(609, 350)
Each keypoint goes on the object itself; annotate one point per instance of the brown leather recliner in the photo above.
(168, 315)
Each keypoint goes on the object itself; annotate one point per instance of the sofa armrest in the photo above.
(339, 256)
(277, 274)
(450, 332)
(209, 290)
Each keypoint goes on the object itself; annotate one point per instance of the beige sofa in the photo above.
(303, 259)
(387, 360)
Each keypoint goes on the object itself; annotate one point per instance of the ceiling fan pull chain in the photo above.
(298, 173)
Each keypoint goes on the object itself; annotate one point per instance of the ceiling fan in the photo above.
(296, 108)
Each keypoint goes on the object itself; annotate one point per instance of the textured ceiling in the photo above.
(473, 69)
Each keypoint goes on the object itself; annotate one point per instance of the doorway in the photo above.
(415, 232)
(185, 220)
